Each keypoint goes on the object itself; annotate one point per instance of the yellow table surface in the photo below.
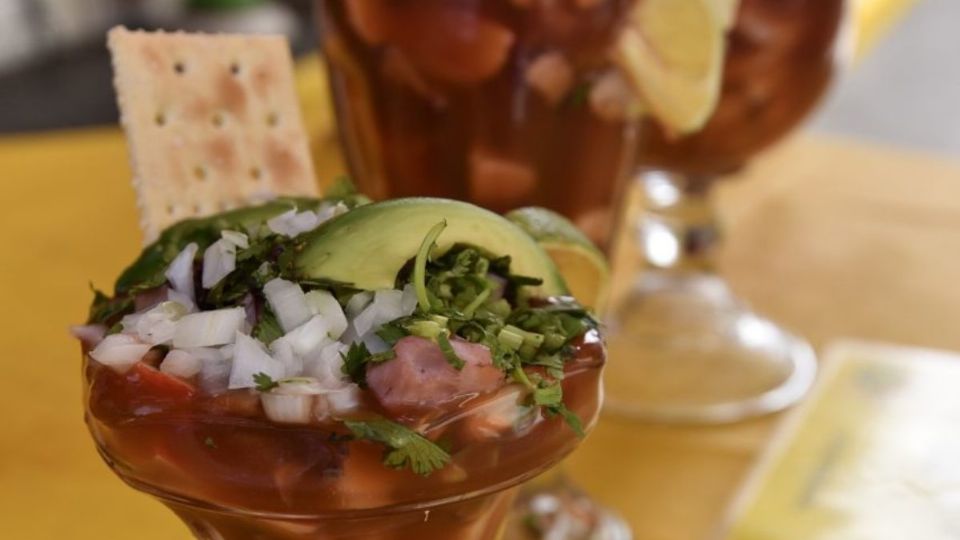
(865, 235)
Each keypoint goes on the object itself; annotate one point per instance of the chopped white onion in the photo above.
(336, 402)
(283, 351)
(288, 302)
(357, 302)
(119, 351)
(326, 365)
(374, 343)
(387, 306)
(215, 367)
(157, 325)
(288, 409)
(181, 363)
(330, 211)
(309, 336)
(236, 238)
(89, 334)
(291, 223)
(408, 300)
(180, 271)
(218, 261)
(299, 386)
(209, 328)
(174, 295)
(250, 358)
(324, 304)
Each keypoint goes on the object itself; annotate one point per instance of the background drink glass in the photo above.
(504, 103)
(683, 347)
(491, 101)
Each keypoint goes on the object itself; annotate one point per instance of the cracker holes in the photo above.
(200, 173)
(198, 209)
(179, 67)
(256, 173)
(235, 69)
(172, 209)
(273, 119)
(218, 119)
(160, 119)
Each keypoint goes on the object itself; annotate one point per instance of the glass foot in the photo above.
(683, 349)
(556, 509)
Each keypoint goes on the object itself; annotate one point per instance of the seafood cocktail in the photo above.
(326, 368)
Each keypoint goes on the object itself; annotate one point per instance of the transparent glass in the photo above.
(497, 102)
(231, 474)
(684, 348)
(489, 101)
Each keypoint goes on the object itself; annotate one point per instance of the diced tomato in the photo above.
(370, 19)
(498, 182)
(152, 383)
(452, 43)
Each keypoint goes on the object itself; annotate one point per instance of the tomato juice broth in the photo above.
(434, 99)
(167, 437)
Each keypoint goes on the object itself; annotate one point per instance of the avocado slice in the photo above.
(368, 246)
(149, 267)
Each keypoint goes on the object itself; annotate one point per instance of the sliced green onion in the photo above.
(420, 264)
(477, 302)
(425, 329)
(510, 338)
(449, 353)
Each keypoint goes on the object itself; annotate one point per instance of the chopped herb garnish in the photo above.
(407, 448)
(448, 352)
(420, 264)
(268, 327)
(105, 309)
(355, 363)
(356, 359)
(210, 442)
(264, 382)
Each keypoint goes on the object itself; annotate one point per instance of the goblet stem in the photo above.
(683, 347)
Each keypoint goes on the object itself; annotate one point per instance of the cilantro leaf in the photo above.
(407, 448)
(356, 359)
(355, 363)
(104, 309)
(268, 328)
(264, 382)
(569, 417)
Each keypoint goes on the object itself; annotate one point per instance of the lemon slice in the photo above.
(672, 52)
(582, 265)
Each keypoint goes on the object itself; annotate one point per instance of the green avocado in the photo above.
(148, 269)
(368, 246)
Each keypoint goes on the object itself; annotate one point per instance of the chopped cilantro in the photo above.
(264, 382)
(210, 442)
(420, 264)
(356, 359)
(105, 309)
(407, 448)
(448, 352)
(267, 328)
(569, 417)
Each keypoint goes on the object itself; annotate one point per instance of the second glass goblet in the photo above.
(684, 347)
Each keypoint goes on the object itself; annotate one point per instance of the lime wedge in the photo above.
(582, 265)
(672, 52)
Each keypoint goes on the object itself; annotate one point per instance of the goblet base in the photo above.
(553, 508)
(684, 349)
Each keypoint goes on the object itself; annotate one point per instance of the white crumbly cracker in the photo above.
(212, 122)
